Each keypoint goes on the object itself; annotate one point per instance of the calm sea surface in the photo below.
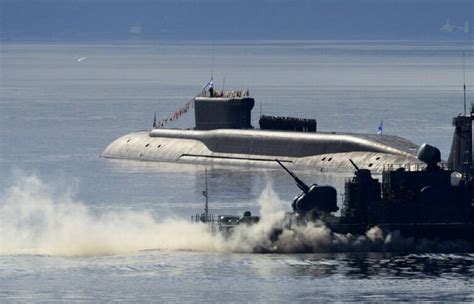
(76, 227)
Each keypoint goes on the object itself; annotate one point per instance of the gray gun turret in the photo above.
(313, 200)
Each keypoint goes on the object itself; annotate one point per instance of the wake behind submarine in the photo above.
(223, 134)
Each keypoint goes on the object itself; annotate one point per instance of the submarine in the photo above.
(223, 134)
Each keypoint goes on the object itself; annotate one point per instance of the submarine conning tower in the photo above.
(460, 156)
(223, 110)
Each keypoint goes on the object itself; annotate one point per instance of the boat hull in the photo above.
(418, 231)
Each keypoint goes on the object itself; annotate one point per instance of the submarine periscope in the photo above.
(223, 134)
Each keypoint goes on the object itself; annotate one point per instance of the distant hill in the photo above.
(119, 20)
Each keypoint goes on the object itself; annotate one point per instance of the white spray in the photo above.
(36, 218)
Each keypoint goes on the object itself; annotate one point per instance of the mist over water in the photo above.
(36, 218)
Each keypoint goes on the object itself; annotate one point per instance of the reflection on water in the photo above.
(385, 265)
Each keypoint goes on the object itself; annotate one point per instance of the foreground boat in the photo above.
(431, 201)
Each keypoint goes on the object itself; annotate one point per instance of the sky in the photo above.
(121, 20)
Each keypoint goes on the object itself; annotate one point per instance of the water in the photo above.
(205, 277)
(78, 227)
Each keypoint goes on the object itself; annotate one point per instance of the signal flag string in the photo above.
(183, 110)
(175, 116)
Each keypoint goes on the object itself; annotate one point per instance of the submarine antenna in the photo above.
(223, 84)
(212, 60)
(464, 80)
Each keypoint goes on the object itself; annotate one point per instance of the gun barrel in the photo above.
(298, 181)
(355, 166)
(285, 168)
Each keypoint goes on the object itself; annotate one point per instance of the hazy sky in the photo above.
(95, 20)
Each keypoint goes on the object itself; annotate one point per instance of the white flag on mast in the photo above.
(208, 85)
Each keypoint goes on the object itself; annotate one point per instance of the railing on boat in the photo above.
(413, 167)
